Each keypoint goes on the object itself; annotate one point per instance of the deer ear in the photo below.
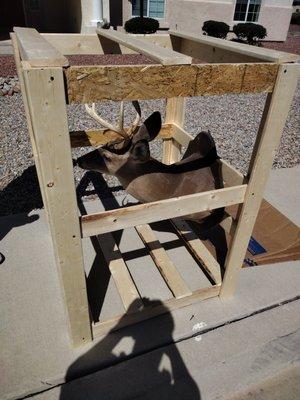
(140, 151)
(149, 129)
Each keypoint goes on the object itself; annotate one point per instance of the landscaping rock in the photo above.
(9, 85)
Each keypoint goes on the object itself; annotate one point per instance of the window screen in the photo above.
(247, 10)
(152, 8)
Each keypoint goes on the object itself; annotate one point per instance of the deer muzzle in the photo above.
(92, 161)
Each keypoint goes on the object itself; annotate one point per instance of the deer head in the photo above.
(146, 178)
(132, 147)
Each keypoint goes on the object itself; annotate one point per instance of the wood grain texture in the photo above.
(212, 49)
(101, 137)
(37, 51)
(230, 175)
(259, 79)
(163, 262)
(155, 52)
(272, 123)
(17, 59)
(102, 328)
(87, 84)
(78, 43)
(121, 276)
(46, 101)
(175, 114)
(235, 78)
(180, 135)
(114, 220)
(199, 250)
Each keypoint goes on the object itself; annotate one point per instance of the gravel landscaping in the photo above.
(232, 119)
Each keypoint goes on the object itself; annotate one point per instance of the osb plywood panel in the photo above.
(219, 79)
(100, 83)
(86, 84)
(259, 79)
(235, 78)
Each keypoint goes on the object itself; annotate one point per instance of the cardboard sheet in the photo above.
(274, 238)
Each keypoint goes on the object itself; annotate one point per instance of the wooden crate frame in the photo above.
(48, 83)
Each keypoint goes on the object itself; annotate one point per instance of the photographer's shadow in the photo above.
(148, 372)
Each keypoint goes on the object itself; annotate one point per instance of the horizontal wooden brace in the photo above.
(231, 176)
(181, 136)
(102, 328)
(211, 49)
(155, 52)
(87, 84)
(37, 50)
(113, 220)
(101, 137)
(78, 43)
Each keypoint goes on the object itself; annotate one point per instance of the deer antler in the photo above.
(138, 117)
(119, 129)
(126, 134)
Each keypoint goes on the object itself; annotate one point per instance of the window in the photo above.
(152, 8)
(247, 10)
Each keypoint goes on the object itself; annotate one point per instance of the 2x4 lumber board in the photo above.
(113, 220)
(78, 43)
(171, 151)
(200, 252)
(86, 84)
(101, 137)
(46, 100)
(175, 113)
(27, 112)
(163, 262)
(181, 136)
(37, 51)
(102, 328)
(157, 53)
(231, 176)
(244, 52)
(268, 138)
(121, 276)
(229, 224)
(74, 43)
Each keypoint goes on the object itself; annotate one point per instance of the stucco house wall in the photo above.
(189, 15)
(275, 15)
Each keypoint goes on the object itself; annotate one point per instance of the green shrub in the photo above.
(216, 29)
(250, 32)
(141, 25)
(295, 18)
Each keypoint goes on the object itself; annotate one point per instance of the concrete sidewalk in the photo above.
(221, 348)
(214, 365)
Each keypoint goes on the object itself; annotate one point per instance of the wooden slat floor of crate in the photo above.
(151, 264)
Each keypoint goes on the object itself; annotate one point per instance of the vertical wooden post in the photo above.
(26, 109)
(268, 138)
(47, 108)
(175, 113)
